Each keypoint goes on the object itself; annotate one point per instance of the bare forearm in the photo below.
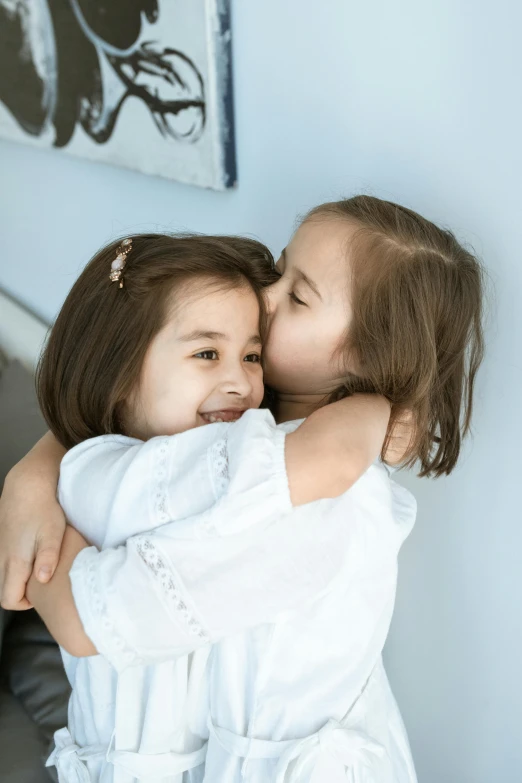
(42, 463)
(32, 523)
(335, 446)
(356, 426)
(54, 601)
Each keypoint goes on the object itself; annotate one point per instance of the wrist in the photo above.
(26, 474)
(15, 477)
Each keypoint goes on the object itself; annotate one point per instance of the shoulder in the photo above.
(89, 475)
(259, 426)
(256, 448)
(96, 461)
(105, 447)
(250, 468)
(112, 464)
(111, 449)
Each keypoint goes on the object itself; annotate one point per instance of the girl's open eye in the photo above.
(253, 357)
(207, 355)
(296, 299)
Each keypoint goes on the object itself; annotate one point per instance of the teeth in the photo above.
(213, 418)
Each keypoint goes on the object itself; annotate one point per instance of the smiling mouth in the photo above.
(221, 416)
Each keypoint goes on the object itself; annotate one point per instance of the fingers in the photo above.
(17, 573)
(47, 556)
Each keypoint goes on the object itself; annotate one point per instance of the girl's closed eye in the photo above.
(296, 299)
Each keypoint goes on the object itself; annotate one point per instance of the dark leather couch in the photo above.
(33, 687)
(33, 698)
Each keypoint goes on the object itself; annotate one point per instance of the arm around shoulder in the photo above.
(55, 604)
(31, 521)
(332, 449)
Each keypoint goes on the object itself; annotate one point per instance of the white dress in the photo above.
(230, 623)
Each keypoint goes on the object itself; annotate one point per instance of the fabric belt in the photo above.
(70, 759)
(336, 753)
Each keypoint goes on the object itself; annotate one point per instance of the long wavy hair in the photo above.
(416, 335)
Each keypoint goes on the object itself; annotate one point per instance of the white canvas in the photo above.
(139, 83)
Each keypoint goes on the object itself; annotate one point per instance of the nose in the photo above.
(237, 379)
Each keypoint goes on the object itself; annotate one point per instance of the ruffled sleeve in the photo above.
(164, 594)
(113, 487)
(243, 562)
(257, 482)
(251, 559)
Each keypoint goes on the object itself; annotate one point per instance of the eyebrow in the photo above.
(304, 277)
(199, 334)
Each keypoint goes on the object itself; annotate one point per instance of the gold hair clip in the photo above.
(119, 262)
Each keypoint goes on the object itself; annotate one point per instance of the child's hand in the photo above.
(401, 436)
(54, 601)
(32, 523)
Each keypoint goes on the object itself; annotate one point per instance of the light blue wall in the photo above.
(417, 102)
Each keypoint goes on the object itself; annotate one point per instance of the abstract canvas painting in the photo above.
(145, 84)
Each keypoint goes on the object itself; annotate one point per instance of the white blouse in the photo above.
(233, 629)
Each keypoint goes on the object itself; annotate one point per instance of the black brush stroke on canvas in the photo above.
(70, 62)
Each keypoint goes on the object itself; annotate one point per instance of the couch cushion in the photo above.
(33, 686)
(31, 667)
(22, 748)
(3, 360)
(21, 422)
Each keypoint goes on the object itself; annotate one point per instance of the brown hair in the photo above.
(95, 352)
(416, 334)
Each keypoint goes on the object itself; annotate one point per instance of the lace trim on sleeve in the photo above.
(161, 503)
(218, 461)
(109, 644)
(172, 592)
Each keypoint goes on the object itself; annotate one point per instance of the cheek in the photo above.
(284, 337)
(258, 389)
(134, 415)
(173, 411)
(290, 353)
(165, 401)
(301, 352)
(295, 340)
